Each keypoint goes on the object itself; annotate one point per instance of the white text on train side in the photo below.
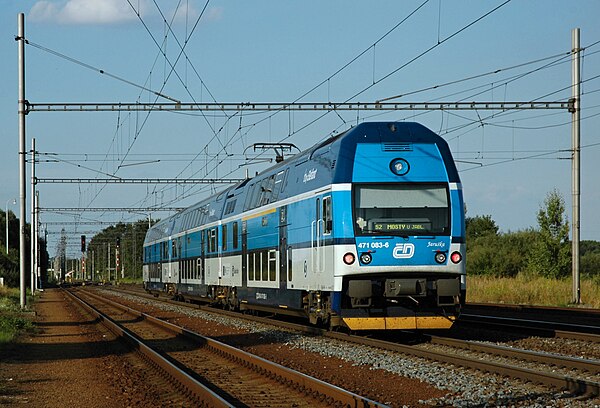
(310, 175)
(440, 244)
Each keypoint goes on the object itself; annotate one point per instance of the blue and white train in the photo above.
(365, 230)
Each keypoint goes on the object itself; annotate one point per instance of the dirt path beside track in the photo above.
(71, 361)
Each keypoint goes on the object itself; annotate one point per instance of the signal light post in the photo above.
(118, 259)
(83, 276)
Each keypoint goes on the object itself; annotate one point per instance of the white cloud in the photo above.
(102, 12)
(84, 11)
(214, 13)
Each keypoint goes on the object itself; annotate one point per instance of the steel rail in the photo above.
(574, 385)
(542, 328)
(203, 394)
(335, 395)
(592, 366)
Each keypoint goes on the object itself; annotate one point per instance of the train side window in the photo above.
(248, 197)
(251, 267)
(212, 240)
(264, 265)
(272, 265)
(318, 216)
(289, 257)
(279, 179)
(266, 190)
(224, 237)
(230, 207)
(235, 233)
(254, 196)
(174, 248)
(327, 215)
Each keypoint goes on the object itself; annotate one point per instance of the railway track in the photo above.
(214, 373)
(541, 328)
(577, 375)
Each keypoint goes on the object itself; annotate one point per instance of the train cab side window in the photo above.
(327, 215)
(224, 237)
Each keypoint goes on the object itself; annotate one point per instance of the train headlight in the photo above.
(399, 167)
(366, 258)
(349, 258)
(440, 257)
(456, 257)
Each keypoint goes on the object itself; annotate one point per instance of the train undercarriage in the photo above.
(366, 303)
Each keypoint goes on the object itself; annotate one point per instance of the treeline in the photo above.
(543, 251)
(9, 262)
(130, 238)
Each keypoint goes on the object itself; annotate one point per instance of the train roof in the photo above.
(334, 150)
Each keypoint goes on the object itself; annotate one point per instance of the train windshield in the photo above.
(401, 209)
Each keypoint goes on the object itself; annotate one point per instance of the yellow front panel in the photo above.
(365, 323)
(435, 322)
(398, 323)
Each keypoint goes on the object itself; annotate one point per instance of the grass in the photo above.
(531, 291)
(12, 320)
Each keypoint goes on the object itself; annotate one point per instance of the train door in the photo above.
(283, 248)
(322, 227)
(244, 255)
(220, 251)
(202, 259)
(317, 240)
(170, 259)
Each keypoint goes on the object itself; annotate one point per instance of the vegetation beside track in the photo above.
(531, 291)
(13, 320)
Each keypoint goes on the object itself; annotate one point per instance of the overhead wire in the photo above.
(398, 69)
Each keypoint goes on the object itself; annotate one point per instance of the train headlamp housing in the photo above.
(349, 258)
(365, 258)
(399, 167)
(456, 257)
(440, 257)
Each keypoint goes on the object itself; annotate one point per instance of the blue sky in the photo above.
(274, 51)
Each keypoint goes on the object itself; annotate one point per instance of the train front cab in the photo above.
(402, 303)
(408, 225)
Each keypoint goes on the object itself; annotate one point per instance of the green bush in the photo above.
(12, 320)
(503, 255)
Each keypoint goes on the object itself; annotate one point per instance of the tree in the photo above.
(551, 252)
(131, 240)
(480, 225)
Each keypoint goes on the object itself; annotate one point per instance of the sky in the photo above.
(125, 51)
